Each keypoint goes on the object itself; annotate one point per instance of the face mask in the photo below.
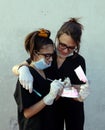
(41, 64)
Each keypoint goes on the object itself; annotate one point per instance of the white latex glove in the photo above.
(67, 82)
(84, 92)
(55, 87)
(25, 78)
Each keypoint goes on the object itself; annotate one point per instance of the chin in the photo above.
(62, 56)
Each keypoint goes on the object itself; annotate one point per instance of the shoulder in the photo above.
(79, 57)
(32, 70)
(80, 60)
(77, 60)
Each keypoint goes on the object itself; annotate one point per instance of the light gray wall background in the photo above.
(19, 17)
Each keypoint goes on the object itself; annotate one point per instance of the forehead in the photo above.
(66, 39)
(47, 48)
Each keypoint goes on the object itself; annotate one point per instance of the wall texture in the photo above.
(19, 17)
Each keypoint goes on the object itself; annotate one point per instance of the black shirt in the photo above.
(44, 120)
(67, 109)
(67, 68)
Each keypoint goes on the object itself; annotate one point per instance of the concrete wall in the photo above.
(19, 17)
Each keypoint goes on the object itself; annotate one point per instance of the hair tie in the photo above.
(43, 33)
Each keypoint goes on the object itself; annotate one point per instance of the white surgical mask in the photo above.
(41, 64)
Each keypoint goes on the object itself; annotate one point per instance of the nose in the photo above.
(50, 59)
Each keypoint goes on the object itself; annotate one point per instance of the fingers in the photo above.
(30, 87)
(26, 84)
(25, 78)
(84, 92)
(67, 82)
(56, 87)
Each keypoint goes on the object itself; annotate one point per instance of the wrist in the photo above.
(48, 99)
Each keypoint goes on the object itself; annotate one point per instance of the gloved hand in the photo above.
(55, 87)
(67, 83)
(25, 78)
(84, 92)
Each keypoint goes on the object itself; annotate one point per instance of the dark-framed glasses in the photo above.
(46, 55)
(64, 46)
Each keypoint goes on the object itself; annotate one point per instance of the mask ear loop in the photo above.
(56, 42)
(75, 50)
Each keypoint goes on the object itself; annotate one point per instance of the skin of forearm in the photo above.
(15, 70)
(31, 111)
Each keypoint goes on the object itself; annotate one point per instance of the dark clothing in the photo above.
(44, 120)
(70, 111)
(67, 109)
(67, 68)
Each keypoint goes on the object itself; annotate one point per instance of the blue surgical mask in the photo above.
(41, 64)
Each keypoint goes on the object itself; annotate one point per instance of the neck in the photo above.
(61, 57)
(60, 61)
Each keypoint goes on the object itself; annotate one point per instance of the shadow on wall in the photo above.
(13, 124)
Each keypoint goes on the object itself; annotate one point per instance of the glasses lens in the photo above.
(63, 46)
(47, 55)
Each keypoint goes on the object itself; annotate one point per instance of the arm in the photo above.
(83, 91)
(34, 109)
(55, 87)
(16, 67)
(25, 77)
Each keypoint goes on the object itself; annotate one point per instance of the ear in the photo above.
(35, 52)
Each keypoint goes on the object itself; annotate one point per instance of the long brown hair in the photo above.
(72, 28)
(34, 41)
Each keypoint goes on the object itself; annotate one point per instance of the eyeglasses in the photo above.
(47, 55)
(64, 46)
